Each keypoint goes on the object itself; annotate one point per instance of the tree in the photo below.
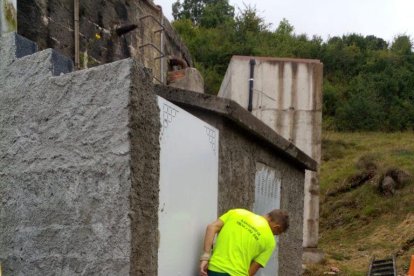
(402, 45)
(216, 13)
(208, 13)
(375, 43)
(285, 28)
(363, 111)
(189, 9)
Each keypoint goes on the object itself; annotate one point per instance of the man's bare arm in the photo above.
(211, 231)
(254, 267)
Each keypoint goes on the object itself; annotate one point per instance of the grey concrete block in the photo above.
(14, 46)
(24, 46)
(78, 171)
(61, 64)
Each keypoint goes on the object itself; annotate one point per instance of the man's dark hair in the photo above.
(281, 217)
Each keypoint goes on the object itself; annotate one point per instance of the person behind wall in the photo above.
(244, 244)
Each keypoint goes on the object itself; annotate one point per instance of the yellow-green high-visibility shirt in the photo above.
(244, 237)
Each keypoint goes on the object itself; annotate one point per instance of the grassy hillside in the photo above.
(357, 221)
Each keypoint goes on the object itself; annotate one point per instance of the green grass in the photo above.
(360, 223)
(342, 151)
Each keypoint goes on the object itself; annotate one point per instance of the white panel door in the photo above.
(267, 198)
(188, 188)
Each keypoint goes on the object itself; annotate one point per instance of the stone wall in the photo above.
(79, 167)
(50, 23)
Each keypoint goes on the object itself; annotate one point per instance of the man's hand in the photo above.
(254, 267)
(203, 268)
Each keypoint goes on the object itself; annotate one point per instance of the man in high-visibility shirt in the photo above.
(245, 242)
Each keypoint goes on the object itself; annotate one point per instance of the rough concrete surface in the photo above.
(71, 186)
(13, 46)
(54, 28)
(191, 80)
(145, 129)
(241, 147)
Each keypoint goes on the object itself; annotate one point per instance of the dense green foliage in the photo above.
(368, 83)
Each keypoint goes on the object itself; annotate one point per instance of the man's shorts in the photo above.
(213, 273)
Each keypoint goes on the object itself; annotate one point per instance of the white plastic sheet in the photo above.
(188, 188)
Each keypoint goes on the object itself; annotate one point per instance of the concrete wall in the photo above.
(50, 23)
(78, 167)
(287, 96)
(239, 151)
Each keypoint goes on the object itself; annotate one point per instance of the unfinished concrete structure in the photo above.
(80, 165)
(285, 94)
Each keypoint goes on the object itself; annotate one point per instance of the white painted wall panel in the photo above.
(267, 198)
(188, 188)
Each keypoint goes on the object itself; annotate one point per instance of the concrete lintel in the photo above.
(237, 114)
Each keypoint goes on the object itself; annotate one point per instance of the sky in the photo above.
(328, 18)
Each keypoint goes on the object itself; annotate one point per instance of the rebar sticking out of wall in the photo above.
(152, 45)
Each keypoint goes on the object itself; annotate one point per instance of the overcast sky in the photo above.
(382, 18)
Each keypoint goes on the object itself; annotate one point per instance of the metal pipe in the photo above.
(125, 29)
(76, 33)
(162, 49)
(155, 19)
(155, 47)
(251, 80)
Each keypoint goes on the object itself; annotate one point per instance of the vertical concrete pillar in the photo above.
(8, 16)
